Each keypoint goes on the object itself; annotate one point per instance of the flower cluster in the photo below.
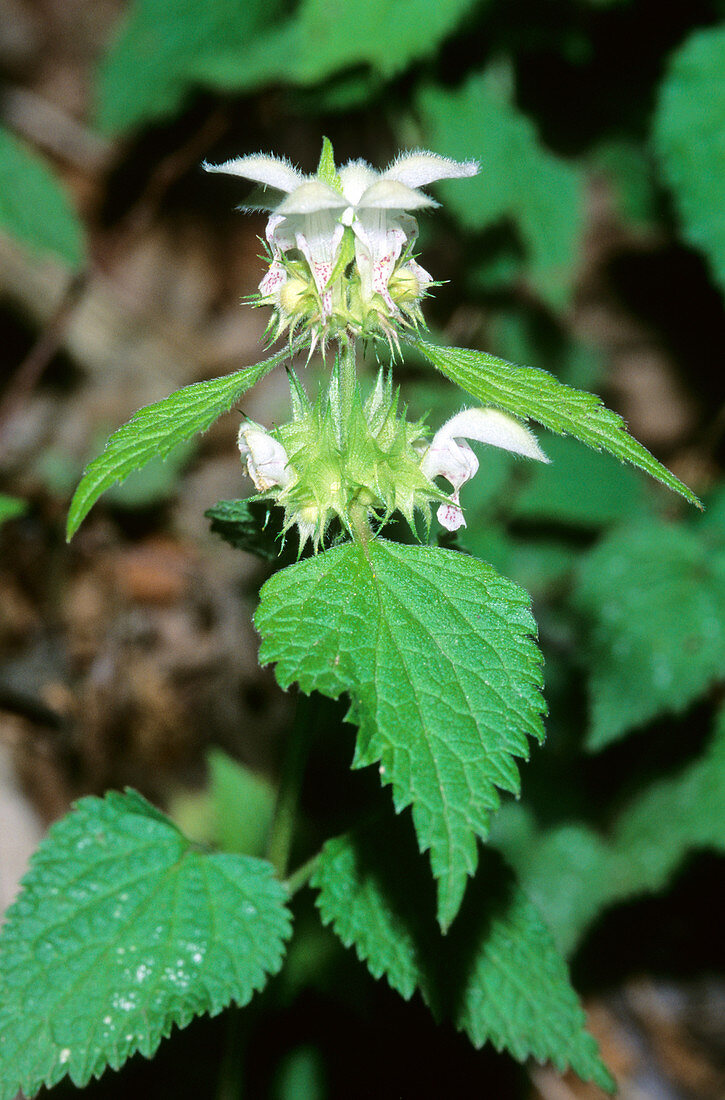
(341, 242)
(368, 460)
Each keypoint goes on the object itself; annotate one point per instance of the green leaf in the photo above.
(688, 138)
(675, 815)
(156, 429)
(11, 507)
(34, 207)
(653, 599)
(242, 804)
(520, 180)
(569, 871)
(531, 393)
(121, 931)
(572, 873)
(148, 71)
(438, 654)
(496, 975)
(322, 39)
(326, 170)
(243, 524)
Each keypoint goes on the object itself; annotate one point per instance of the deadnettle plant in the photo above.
(126, 926)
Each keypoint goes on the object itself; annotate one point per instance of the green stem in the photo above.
(348, 377)
(301, 876)
(285, 811)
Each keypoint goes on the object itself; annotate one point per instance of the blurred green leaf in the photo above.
(11, 507)
(653, 600)
(520, 180)
(148, 71)
(242, 804)
(630, 172)
(34, 208)
(580, 488)
(689, 138)
(573, 873)
(327, 36)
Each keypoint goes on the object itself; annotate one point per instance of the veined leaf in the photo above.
(122, 930)
(156, 429)
(520, 180)
(34, 208)
(438, 654)
(688, 138)
(321, 39)
(497, 974)
(654, 601)
(531, 393)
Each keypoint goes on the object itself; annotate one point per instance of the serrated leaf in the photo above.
(528, 392)
(654, 601)
(520, 181)
(156, 429)
(496, 975)
(147, 72)
(322, 39)
(34, 208)
(438, 655)
(573, 873)
(121, 931)
(688, 138)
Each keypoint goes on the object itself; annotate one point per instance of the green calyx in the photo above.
(351, 460)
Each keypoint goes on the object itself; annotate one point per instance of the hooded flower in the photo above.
(451, 457)
(341, 242)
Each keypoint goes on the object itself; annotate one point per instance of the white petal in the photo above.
(493, 427)
(420, 168)
(451, 516)
(266, 458)
(356, 177)
(274, 280)
(378, 244)
(269, 171)
(450, 458)
(310, 198)
(387, 194)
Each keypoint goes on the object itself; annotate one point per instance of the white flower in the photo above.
(450, 456)
(265, 458)
(311, 215)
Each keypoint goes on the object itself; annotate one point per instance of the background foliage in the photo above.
(592, 246)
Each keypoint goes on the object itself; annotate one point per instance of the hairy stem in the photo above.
(348, 377)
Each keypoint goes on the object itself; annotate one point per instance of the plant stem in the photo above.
(298, 878)
(285, 812)
(348, 377)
